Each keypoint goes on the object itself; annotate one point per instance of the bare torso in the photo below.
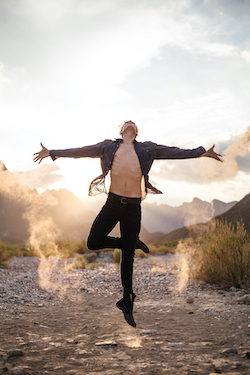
(126, 172)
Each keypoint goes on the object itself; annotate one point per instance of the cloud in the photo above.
(204, 170)
(246, 54)
(3, 75)
(42, 177)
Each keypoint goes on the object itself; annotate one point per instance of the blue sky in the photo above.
(71, 71)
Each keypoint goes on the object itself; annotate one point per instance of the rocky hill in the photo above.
(238, 213)
(165, 218)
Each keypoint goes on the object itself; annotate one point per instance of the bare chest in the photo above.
(126, 159)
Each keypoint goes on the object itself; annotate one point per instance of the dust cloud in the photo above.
(43, 232)
(229, 167)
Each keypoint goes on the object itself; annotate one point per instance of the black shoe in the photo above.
(127, 308)
(141, 245)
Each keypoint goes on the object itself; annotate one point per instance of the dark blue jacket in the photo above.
(147, 152)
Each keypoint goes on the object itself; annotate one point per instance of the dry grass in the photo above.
(64, 249)
(163, 248)
(7, 252)
(67, 248)
(81, 262)
(117, 256)
(158, 270)
(223, 257)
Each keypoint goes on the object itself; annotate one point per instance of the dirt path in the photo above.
(86, 334)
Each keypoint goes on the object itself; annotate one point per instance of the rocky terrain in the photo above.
(56, 319)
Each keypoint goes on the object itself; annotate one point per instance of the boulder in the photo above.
(90, 257)
(244, 299)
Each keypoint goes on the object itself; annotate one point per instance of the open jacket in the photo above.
(147, 152)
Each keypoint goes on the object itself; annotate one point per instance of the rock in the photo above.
(209, 356)
(7, 367)
(90, 257)
(146, 331)
(17, 372)
(106, 343)
(233, 289)
(190, 299)
(230, 351)
(176, 344)
(239, 293)
(244, 299)
(15, 353)
(246, 355)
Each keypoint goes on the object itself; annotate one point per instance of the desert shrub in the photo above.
(5, 252)
(163, 248)
(117, 256)
(81, 262)
(67, 248)
(223, 257)
(8, 251)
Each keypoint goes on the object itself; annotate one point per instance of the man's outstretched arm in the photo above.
(93, 151)
(211, 154)
(39, 156)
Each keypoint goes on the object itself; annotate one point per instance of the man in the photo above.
(129, 163)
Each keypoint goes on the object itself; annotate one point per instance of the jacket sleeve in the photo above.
(166, 152)
(93, 151)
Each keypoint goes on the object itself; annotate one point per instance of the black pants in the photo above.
(129, 216)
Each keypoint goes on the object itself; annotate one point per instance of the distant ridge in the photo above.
(2, 166)
(164, 218)
(240, 212)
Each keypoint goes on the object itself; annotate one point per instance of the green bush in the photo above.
(224, 256)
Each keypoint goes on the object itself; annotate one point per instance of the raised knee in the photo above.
(92, 244)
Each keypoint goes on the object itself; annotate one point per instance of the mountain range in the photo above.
(239, 213)
(164, 218)
(21, 208)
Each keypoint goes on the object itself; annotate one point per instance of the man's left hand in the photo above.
(212, 154)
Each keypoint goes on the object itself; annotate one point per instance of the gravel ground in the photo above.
(64, 320)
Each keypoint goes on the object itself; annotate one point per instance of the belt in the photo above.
(124, 200)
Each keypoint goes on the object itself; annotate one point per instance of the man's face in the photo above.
(129, 126)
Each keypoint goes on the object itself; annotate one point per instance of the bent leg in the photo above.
(102, 226)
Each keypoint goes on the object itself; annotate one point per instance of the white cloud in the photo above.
(69, 66)
(246, 54)
(3, 75)
(40, 178)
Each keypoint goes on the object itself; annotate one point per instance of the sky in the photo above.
(71, 71)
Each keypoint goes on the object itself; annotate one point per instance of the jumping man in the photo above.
(129, 163)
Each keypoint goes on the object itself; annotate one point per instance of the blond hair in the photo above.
(120, 127)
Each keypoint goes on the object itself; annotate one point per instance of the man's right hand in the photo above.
(39, 156)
